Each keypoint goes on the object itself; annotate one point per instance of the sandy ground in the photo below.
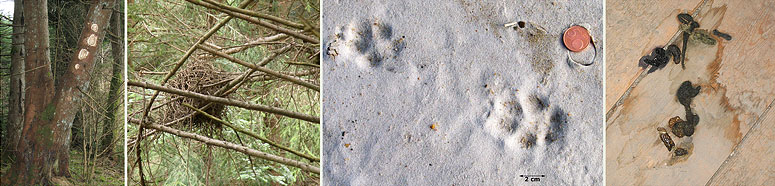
(441, 93)
(737, 88)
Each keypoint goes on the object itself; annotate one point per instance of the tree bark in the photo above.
(116, 82)
(49, 112)
(16, 94)
(76, 79)
(35, 151)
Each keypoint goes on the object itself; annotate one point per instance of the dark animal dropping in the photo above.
(665, 138)
(680, 152)
(682, 129)
(722, 35)
(686, 92)
(660, 57)
(685, 18)
(674, 51)
(693, 26)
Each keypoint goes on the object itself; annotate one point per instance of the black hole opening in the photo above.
(521, 24)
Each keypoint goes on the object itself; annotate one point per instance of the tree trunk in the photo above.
(116, 26)
(48, 112)
(35, 151)
(76, 79)
(16, 94)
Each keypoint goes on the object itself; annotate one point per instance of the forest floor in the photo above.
(442, 92)
(107, 172)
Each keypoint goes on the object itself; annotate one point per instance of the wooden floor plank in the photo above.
(752, 163)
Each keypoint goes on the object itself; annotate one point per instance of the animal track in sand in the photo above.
(368, 42)
(525, 121)
(505, 117)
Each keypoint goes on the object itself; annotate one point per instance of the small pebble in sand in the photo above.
(433, 127)
(680, 152)
(665, 138)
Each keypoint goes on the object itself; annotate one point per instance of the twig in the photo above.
(262, 69)
(295, 34)
(226, 101)
(270, 142)
(304, 64)
(258, 15)
(166, 78)
(239, 148)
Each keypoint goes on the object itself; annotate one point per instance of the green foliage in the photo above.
(105, 173)
(5, 65)
(160, 32)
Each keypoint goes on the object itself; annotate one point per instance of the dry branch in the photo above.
(240, 148)
(232, 86)
(255, 42)
(259, 22)
(254, 135)
(257, 14)
(262, 69)
(226, 101)
(180, 62)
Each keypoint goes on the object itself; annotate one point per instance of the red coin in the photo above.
(576, 38)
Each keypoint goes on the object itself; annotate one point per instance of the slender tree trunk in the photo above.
(36, 150)
(16, 93)
(76, 79)
(116, 26)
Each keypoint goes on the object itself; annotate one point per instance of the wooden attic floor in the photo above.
(735, 139)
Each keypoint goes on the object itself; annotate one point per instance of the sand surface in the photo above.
(503, 102)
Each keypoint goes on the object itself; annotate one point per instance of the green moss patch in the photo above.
(48, 114)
